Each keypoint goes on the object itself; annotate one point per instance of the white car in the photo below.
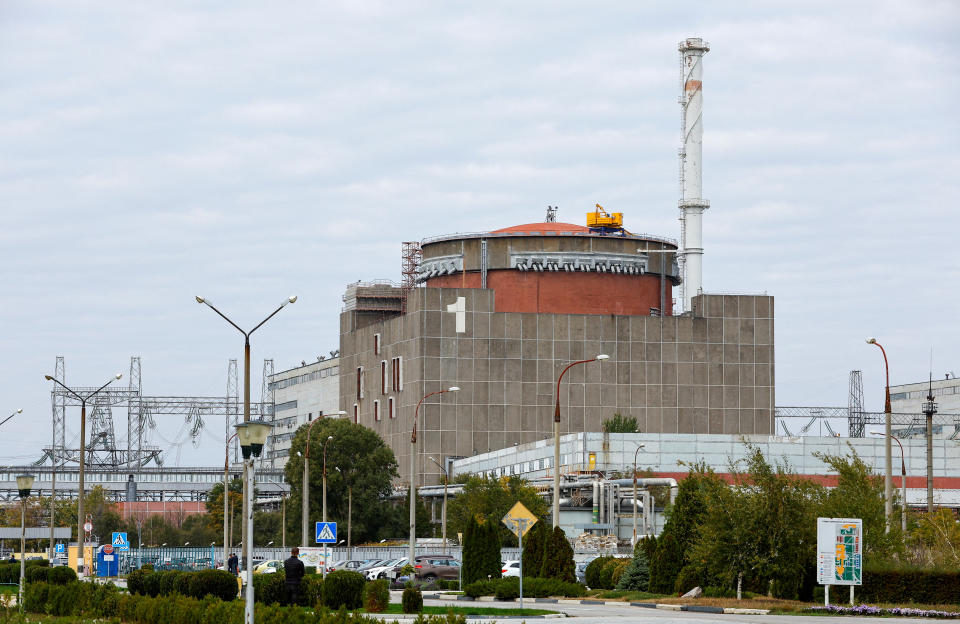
(380, 570)
(510, 568)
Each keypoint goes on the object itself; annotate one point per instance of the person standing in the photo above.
(294, 570)
(233, 564)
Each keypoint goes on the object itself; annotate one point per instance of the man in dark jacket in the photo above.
(294, 570)
(233, 564)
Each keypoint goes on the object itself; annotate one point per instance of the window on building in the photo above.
(359, 382)
(376, 409)
(383, 376)
(356, 413)
(390, 412)
(376, 344)
(309, 416)
(396, 374)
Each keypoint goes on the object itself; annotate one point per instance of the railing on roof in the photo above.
(460, 235)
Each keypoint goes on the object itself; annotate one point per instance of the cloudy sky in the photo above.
(246, 151)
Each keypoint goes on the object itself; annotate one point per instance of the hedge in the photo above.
(10, 572)
(90, 600)
(592, 572)
(271, 589)
(343, 588)
(412, 600)
(217, 583)
(376, 596)
(533, 587)
(910, 585)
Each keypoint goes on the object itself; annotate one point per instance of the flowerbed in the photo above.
(897, 611)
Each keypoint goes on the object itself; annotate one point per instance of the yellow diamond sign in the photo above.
(519, 519)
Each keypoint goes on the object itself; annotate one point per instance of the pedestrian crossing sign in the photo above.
(326, 532)
(120, 541)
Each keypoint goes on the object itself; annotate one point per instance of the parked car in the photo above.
(270, 566)
(582, 569)
(430, 567)
(380, 569)
(348, 564)
(510, 568)
(394, 572)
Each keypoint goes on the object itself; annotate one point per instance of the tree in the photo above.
(558, 557)
(620, 424)
(356, 458)
(481, 551)
(214, 503)
(472, 543)
(534, 546)
(485, 498)
(637, 575)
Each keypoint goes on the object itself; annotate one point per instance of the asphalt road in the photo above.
(616, 614)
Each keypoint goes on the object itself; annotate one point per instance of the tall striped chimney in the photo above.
(691, 202)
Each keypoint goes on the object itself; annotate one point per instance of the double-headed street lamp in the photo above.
(639, 446)
(888, 447)
(446, 479)
(413, 473)
(24, 485)
(556, 438)
(903, 482)
(83, 449)
(253, 435)
(246, 377)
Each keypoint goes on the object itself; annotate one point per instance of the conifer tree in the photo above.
(558, 559)
(534, 548)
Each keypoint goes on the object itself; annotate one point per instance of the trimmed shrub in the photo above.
(135, 581)
(376, 596)
(151, 584)
(480, 588)
(147, 566)
(311, 589)
(412, 600)
(507, 588)
(181, 584)
(168, 581)
(547, 587)
(605, 578)
(906, 585)
(343, 588)
(268, 588)
(35, 574)
(217, 583)
(592, 572)
(61, 575)
(618, 571)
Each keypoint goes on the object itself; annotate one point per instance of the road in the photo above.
(612, 613)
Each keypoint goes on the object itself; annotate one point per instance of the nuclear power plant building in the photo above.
(500, 315)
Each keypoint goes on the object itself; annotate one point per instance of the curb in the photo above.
(738, 611)
(414, 616)
(701, 609)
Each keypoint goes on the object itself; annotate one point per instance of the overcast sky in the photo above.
(247, 151)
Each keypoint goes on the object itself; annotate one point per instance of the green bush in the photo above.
(311, 589)
(618, 569)
(719, 592)
(136, 580)
(217, 583)
(147, 566)
(268, 588)
(36, 574)
(592, 572)
(181, 584)
(636, 576)
(412, 600)
(507, 588)
(480, 588)
(61, 575)
(605, 575)
(343, 587)
(151, 583)
(168, 581)
(905, 585)
(376, 596)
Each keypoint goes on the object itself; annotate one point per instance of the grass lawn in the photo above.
(395, 608)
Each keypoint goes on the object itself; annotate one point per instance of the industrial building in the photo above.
(500, 313)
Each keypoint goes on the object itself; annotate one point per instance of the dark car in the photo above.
(431, 567)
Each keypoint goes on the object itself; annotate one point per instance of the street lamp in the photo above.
(19, 411)
(903, 481)
(83, 449)
(556, 438)
(246, 379)
(413, 472)
(24, 484)
(639, 446)
(888, 447)
(446, 479)
(305, 487)
(253, 435)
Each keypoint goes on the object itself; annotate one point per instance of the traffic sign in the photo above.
(326, 532)
(519, 519)
(120, 541)
(88, 526)
(108, 549)
(60, 548)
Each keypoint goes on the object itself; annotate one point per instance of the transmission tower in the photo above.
(59, 416)
(855, 415)
(233, 410)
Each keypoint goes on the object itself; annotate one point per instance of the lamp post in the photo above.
(443, 518)
(903, 482)
(305, 487)
(639, 446)
(83, 448)
(226, 497)
(888, 447)
(556, 438)
(253, 434)
(413, 473)
(246, 380)
(19, 411)
(24, 484)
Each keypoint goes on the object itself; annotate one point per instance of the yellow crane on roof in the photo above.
(601, 220)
